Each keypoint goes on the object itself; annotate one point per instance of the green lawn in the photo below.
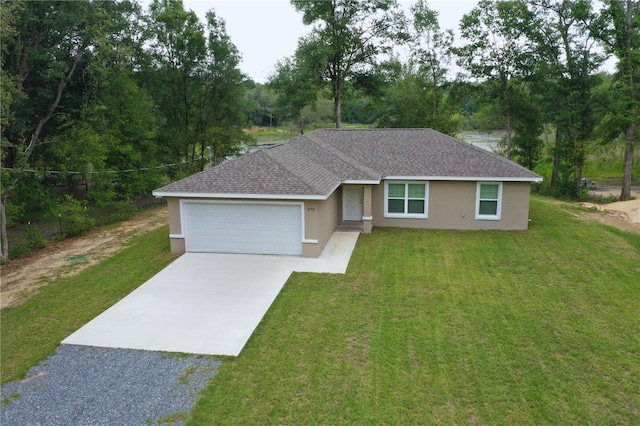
(427, 327)
(448, 327)
(32, 331)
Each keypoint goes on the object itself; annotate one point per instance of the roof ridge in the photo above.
(373, 129)
(344, 157)
(287, 163)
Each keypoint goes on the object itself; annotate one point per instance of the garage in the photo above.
(237, 227)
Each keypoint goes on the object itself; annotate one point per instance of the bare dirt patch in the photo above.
(624, 215)
(628, 211)
(614, 214)
(22, 278)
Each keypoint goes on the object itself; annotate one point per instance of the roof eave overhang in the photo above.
(161, 194)
(467, 178)
(361, 182)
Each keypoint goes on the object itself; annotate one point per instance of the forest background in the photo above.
(103, 101)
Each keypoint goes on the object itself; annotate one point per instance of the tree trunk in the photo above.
(4, 248)
(337, 95)
(338, 111)
(509, 132)
(35, 137)
(193, 156)
(507, 95)
(556, 163)
(555, 172)
(577, 172)
(630, 131)
(628, 162)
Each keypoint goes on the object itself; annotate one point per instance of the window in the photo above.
(406, 199)
(488, 200)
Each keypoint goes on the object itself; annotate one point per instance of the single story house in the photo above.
(289, 198)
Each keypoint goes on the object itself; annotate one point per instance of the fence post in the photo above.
(60, 218)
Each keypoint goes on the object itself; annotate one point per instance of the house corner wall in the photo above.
(175, 226)
(320, 220)
(515, 205)
(367, 210)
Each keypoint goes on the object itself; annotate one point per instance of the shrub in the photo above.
(115, 211)
(73, 214)
(34, 237)
(19, 251)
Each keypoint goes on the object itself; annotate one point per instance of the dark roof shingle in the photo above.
(314, 165)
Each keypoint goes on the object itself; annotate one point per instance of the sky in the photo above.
(266, 31)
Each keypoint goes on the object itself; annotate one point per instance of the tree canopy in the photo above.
(348, 39)
(94, 90)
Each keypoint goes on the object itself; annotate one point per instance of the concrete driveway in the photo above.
(205, 303)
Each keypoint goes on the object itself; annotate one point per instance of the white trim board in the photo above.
(461, 178)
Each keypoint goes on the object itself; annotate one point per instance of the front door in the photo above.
(352, 196)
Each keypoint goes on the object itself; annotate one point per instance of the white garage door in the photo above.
(243, 228)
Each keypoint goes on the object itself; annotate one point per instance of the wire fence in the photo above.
(25, 237)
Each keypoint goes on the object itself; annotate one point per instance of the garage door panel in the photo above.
(244, 228)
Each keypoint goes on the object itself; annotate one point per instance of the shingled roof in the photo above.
(312, 166)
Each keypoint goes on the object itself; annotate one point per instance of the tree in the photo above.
(618, 28)
(297, 91)
(48, 46)
(178, 51)
(408, 102)
(565, 76)
(527, 144)
(497, 51)
(10, 90)
(260, 104)
(195, 81)
(434, 55)
(221, 109)
(418, 97)
(119, 123)
(347, 41)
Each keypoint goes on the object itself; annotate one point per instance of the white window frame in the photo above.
(498, 214)
(406, 200)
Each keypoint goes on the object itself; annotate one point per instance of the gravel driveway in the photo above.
(82, 385)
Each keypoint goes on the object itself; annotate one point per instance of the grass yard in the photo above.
(32, 331)
(427, 327)
(449, 327)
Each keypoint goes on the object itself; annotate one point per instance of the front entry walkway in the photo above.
(205, 303)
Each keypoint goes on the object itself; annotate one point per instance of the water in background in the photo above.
(487, 141)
